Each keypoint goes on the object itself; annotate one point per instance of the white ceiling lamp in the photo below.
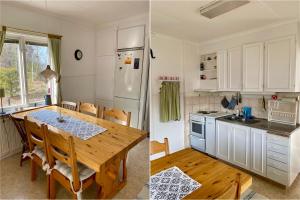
(219, 7)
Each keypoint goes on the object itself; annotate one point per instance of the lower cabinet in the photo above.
(223, 131)
(258, 151)
(242, 146)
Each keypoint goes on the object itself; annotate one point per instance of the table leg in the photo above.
(109, 177)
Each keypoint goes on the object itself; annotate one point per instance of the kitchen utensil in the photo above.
(232, 103)
(264, 103)
(224, 102)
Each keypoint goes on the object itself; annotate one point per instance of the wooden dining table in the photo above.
(212, 174)
(103, 152)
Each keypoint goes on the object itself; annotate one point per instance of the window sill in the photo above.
(17, 108)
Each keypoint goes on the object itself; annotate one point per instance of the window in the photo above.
(23, 58)
(10, 73)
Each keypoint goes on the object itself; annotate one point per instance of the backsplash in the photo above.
(212, 102)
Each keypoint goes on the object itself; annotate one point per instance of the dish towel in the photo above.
(170, 101)
(172, 184)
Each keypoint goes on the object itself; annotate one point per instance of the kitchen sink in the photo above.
(241, 120)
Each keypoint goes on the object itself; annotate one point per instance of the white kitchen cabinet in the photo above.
(240, 144)
(234, 65)
(131, 37)
(210, 127)
(222, 70)
(280, 65)
(223, 130)
(258, 151)
(253, 67)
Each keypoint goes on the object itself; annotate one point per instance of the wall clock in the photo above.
(78, 54)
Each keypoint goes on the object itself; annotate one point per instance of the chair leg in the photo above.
(52, 191)
(21, 159)
(33, 170)
(124, 169)
(74, 196)
(98, 191)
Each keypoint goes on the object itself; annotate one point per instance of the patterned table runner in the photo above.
(76, 127)
(172, 184)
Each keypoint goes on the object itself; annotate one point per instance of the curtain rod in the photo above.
(35, 32)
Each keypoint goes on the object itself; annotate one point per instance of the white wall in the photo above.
(77, 76)
(174, 57)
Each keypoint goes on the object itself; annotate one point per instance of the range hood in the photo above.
(219, 7)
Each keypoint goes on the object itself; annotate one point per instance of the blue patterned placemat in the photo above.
(171, 184)
(76, 127)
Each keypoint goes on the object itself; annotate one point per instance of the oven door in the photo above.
(198, 129)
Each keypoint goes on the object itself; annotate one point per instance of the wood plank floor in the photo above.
(15, 181)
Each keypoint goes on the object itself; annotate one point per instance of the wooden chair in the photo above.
(157, 147)
(64, 167)
(69, 105)
(88, 108)
(233, 191)
(121, 116)
(37, 146)
(117, 114)
(19, 123)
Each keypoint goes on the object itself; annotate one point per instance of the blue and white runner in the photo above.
(171, 184)
(76, 127)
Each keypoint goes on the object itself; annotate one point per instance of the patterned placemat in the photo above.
(172, 184)
(76, 127)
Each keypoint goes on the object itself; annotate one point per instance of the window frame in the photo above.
(23, 38)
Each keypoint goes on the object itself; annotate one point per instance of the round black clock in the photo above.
(78, 54)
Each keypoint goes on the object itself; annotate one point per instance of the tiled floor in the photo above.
(15, 181)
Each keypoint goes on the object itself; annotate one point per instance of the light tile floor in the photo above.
(15, 180)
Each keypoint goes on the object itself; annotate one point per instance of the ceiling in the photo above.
(95, 12)
(182, 19)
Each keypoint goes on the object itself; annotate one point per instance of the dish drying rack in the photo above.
(283, 111)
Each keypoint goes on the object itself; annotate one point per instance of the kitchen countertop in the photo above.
(271, 127)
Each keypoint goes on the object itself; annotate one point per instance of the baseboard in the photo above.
(11, 153)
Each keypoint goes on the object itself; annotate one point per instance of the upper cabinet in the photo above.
(234, 69)
(222, 70)
(132, 37)
(280, 65)
(253, 67)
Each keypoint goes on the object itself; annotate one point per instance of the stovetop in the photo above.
(214, 114)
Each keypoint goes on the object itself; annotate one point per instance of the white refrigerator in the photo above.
(129, 73)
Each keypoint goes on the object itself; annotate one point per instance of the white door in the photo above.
(210, 133)
(253, 67)
(128, 74)
(234, 69)
(131, 37)
(280, 63)
(223, 140)
(222, 69)
(258, 151)
(240, 146)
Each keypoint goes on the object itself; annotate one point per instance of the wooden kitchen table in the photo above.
(215, 176)
(103, 152)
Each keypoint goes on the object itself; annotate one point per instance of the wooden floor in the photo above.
(15, 181)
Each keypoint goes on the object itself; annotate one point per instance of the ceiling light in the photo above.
(219, 7)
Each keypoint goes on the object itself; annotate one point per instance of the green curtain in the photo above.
(170, 101)
(55, 47)
(2, 37)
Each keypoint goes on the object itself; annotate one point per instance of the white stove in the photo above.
(203, 130)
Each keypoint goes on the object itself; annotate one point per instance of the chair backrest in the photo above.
(35, 135)
(62, 149)
(233, 191)
(20, 125)
(157, 147)
(69, 105)
(117, 114)
(88, 108)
